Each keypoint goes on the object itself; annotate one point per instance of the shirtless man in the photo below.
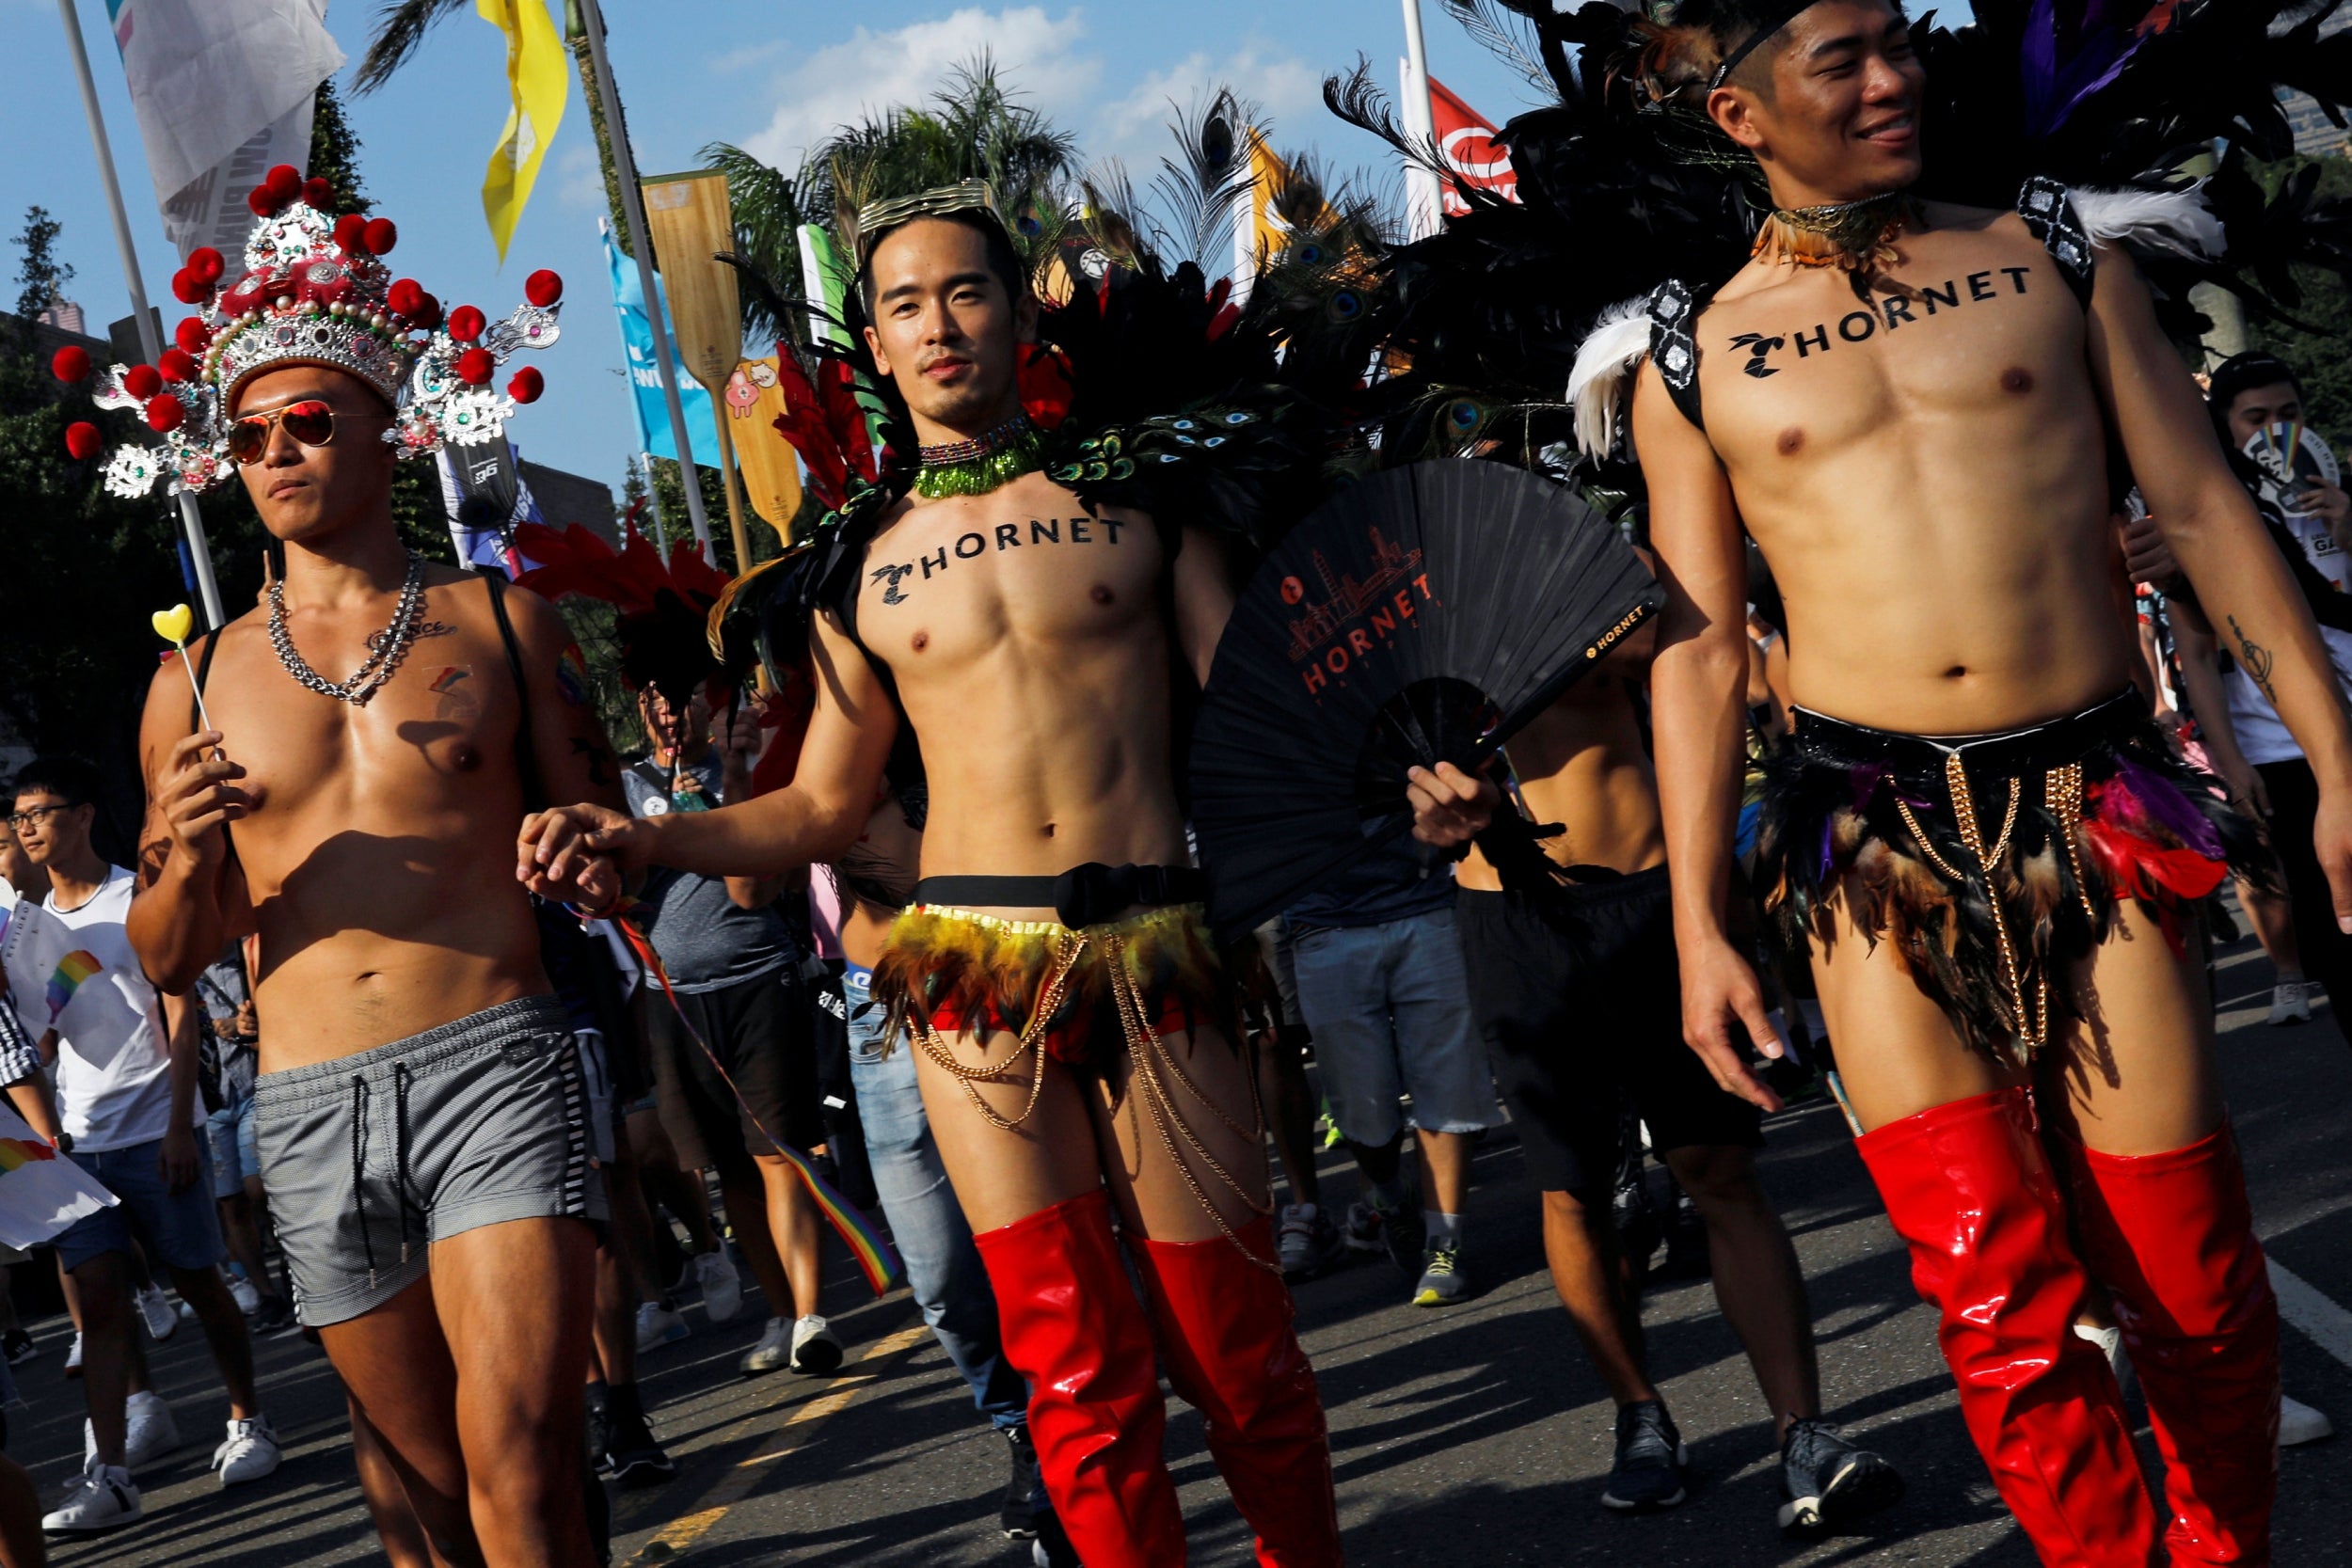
(422, 1123)
(1573, 986)
(1920, 471)
(1023, 638)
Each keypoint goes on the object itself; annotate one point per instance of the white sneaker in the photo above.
(103, 1499)
(657, 1325)
(241, 1290)
(152, 1433)
(722, 1288)
(162, 1322)
(73, 1357)
(2300, 1423)
(815, 1349)
(2290, 1003)
(775, 1348)
(249, 1452)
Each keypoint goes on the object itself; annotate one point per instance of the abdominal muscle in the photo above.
(1042, 757)
(1948, 592)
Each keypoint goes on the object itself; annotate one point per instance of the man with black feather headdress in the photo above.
(1022, 603)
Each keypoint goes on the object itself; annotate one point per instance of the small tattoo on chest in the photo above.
(430, 629)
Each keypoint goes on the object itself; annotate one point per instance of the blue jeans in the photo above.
(183, 1229)
(944, 1268)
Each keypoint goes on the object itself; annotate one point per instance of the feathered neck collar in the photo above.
(1855, 237)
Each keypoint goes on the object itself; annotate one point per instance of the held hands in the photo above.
(578, 854)
(1721, 998)
(200, 795)
(1450, 807)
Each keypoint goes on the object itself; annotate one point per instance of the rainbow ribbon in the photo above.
(875, 1257)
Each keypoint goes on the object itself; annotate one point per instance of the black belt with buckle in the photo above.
(1085, 895)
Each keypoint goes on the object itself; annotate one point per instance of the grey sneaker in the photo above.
(775, 1348)
(103, 1499)
(1647, 1474)
(2300, 1423)
(1309, 1241)
(2290, 1003)
(1827, 1480)
(1442, 1282)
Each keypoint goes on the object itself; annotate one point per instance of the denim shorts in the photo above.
(1390, 1010)
(235, 1157)
(182, 1229)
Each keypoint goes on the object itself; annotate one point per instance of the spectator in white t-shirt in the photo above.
(126, 1078)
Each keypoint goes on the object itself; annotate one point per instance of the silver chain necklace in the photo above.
(384, 650)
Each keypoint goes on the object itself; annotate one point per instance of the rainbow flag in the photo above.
(15, 1152)
(74, 968)
(866, 1244)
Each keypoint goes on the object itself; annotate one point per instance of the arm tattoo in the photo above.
(571, 676)
(599, 758)
(2256, 658)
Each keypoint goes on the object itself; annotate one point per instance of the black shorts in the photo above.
(1579, 1003)
(761, 1031)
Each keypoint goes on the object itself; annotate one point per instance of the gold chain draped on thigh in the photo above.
(2032, 1027)
(1146, 1054)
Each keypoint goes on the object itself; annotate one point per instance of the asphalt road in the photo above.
(1476, 1435)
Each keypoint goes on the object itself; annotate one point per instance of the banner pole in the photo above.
(633, 208)
(191, 519)
(1421, 124)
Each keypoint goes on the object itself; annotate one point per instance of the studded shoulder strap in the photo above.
(1673, 309)
(2050, 217)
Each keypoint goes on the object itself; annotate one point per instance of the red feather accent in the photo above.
(662, 607)
(825, 425)
(1046, 384)
(2149, 871)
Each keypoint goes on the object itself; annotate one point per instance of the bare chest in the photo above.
(951, 582)
(436, 736)
(1969, 338)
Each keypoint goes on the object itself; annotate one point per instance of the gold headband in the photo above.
(889, 213)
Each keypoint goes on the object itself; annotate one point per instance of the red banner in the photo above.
(1467, 143)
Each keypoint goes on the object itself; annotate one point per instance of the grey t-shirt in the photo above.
(705, 939)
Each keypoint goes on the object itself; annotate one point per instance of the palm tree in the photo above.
(972, 127)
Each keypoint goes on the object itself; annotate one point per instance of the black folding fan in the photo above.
(1422, 614)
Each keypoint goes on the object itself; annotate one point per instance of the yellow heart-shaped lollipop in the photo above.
(174, 625)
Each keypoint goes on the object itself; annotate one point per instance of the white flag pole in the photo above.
(1422, 201)
(633, 208)
(191, 520)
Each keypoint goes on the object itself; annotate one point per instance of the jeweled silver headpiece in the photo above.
(316, 291)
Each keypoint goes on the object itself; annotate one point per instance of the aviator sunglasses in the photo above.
(310, 422)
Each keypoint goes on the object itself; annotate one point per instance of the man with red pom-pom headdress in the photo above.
(376, 725)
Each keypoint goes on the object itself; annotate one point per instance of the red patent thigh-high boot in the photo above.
(1224, 1319)
(2171, 1237)
(1969, 1187)
(1072, 1325)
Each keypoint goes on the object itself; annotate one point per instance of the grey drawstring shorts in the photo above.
(369, 1159)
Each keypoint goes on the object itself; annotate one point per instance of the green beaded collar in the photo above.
(975, 467)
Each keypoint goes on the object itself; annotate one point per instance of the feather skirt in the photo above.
(2149, 828)
(954, 969)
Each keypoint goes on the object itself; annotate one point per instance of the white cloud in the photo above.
(874, 70)
(579, 179)
(1286, 90)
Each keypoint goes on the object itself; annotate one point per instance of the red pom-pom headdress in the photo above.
(315, 290)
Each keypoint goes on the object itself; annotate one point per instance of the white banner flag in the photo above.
(222, 90)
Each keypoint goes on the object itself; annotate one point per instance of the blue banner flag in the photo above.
(644, 372)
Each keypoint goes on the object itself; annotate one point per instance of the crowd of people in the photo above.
(424, 1026)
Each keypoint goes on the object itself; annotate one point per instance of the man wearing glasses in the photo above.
(126, 1097)
(376, 728)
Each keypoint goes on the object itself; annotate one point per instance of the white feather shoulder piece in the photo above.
(2177, 222)
(1602, 375)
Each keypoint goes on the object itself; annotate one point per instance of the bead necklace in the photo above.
(975, 467)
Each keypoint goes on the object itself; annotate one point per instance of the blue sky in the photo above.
(771, 77)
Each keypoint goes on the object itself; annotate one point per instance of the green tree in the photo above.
(2315, 341)
(41, 278)
(334, 150)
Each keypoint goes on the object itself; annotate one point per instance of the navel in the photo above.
(922, 640)
(1046, 832)
(1790, 439)
(1100, 593)
(2017, 379)
(1956, 673)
